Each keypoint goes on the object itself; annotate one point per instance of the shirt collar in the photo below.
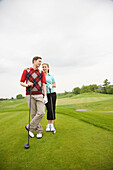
(31, 68)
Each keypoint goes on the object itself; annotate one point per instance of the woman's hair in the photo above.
(36, 58)
(46, 65)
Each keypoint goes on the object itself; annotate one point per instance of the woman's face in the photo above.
(45, 68)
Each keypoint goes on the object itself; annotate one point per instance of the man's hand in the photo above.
(45, 99)
(30, 84)
(26, 85)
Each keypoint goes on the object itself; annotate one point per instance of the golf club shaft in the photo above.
(29, 113)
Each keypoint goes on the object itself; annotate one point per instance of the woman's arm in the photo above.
(44, 89)
(45, 93)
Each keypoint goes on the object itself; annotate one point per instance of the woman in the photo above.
(51, 95)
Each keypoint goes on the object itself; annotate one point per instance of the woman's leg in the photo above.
(51, 111)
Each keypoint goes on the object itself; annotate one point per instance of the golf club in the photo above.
(52, 109)
(26, 146)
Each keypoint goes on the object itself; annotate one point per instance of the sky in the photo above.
(74, 36)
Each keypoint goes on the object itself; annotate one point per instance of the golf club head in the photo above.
(26, 146)
(54, 131)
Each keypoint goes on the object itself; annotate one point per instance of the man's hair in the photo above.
(36, 58)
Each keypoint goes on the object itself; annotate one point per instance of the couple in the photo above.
(42, 92)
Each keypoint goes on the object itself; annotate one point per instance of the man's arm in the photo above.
(25, 84)
(23, 78)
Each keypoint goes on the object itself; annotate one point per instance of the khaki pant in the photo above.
(37, 102)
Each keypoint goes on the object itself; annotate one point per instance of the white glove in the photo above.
(45, 99)
(50, 86)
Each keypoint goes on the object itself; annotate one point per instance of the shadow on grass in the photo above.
(90, 121)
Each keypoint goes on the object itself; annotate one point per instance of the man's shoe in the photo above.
(39, 135)
(26, 128)
(48, 128)
(30, 133)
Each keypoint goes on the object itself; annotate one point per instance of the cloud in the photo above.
(70, 35)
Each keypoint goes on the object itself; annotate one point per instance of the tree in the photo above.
(65, 92)
(76, 90)
(93, 87)
(106, 82)
(85, 89)
(99, 89)
(105, 85)
(19, 96)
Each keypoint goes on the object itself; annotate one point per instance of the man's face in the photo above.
(38, 62)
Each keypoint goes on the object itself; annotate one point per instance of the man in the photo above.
(33, 77)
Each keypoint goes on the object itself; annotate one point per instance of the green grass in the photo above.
(84, 140)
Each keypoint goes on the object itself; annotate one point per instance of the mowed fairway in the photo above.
(82, 99)
(84, 140)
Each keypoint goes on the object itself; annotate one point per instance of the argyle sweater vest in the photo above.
(34, 76)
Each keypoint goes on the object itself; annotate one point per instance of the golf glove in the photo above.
(50, 86)
(45, 99)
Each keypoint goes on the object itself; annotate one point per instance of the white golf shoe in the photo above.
(48, 128)
(31, 134)
(52, 127)
(39, 135)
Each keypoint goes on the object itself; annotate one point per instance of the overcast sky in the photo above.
(74, 36)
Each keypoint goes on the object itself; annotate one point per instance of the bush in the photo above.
(109, 89)
(19, 96)
(76, 90)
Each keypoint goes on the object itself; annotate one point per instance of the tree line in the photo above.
(106, 88)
